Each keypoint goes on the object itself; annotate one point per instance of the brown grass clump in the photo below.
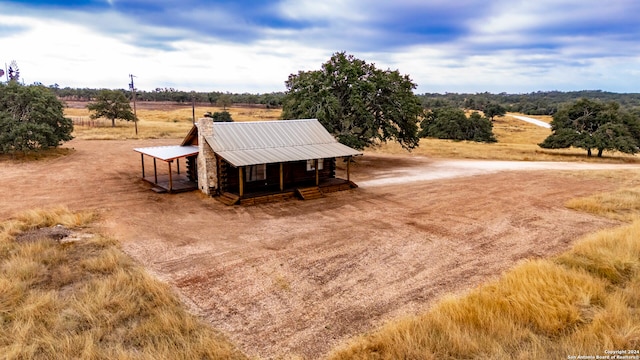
(622, 204)
(582, 302)
(87, 299)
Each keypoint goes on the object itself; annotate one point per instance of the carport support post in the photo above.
(317, 172)
(170, 177)
(142, 159)
(178, 165)
(281, 178)
(155, 170)
(241, 177)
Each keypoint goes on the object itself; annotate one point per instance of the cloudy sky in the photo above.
(252, 46)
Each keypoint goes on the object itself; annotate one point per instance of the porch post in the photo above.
(170, 177)
(240, 174)
(348, 168)
(281, 178)
(317, 173)
(178, 165)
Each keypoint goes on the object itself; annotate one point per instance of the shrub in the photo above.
(222, 116)
(453, 124)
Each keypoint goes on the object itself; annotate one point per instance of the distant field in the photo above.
(517, 140)
(160, 121)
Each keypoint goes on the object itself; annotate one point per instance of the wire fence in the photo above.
(89, 122)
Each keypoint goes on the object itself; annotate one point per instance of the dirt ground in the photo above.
(300, 277)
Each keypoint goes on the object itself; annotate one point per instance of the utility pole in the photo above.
(193, 107)
(133, 92)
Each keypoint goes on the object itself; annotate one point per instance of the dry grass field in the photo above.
(484, 266)
(157, 121)
(67, 293)
(517, 140)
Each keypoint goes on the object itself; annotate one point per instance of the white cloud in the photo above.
(72, 55)
(506, 52)
(52, 51)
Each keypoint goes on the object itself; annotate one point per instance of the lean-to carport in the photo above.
(171, 182)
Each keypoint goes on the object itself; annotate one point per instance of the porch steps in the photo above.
(309, 193)
(228, 198)
(339, 187)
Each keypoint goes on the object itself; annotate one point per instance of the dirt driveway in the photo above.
(297, 278)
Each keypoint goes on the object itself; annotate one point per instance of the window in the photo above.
(256, 172)
(311, 165)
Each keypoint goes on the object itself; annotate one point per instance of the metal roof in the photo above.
(168, 153)
(265, 142)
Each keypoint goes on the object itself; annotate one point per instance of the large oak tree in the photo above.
(591, 124)
(356, 102)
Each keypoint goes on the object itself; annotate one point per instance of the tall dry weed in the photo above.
(622, 204)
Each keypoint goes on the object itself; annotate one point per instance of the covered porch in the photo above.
(307, 179)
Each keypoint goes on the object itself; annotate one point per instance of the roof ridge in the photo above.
(265, 121)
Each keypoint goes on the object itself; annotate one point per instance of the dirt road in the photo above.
(297, 278)
(532, 121)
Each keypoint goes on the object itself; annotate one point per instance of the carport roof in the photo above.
(168, 153)
(266, 142)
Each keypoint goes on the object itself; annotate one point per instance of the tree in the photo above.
(492, 110)
(213, 97)
(590, 124)
(222, 116)
(111, 104)
(356, 102)
(224, 100)
(452, 123)
(31, 118)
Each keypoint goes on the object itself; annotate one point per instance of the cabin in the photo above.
(254, 162)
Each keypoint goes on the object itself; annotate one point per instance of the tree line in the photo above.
(534, 103)
(270, 100)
